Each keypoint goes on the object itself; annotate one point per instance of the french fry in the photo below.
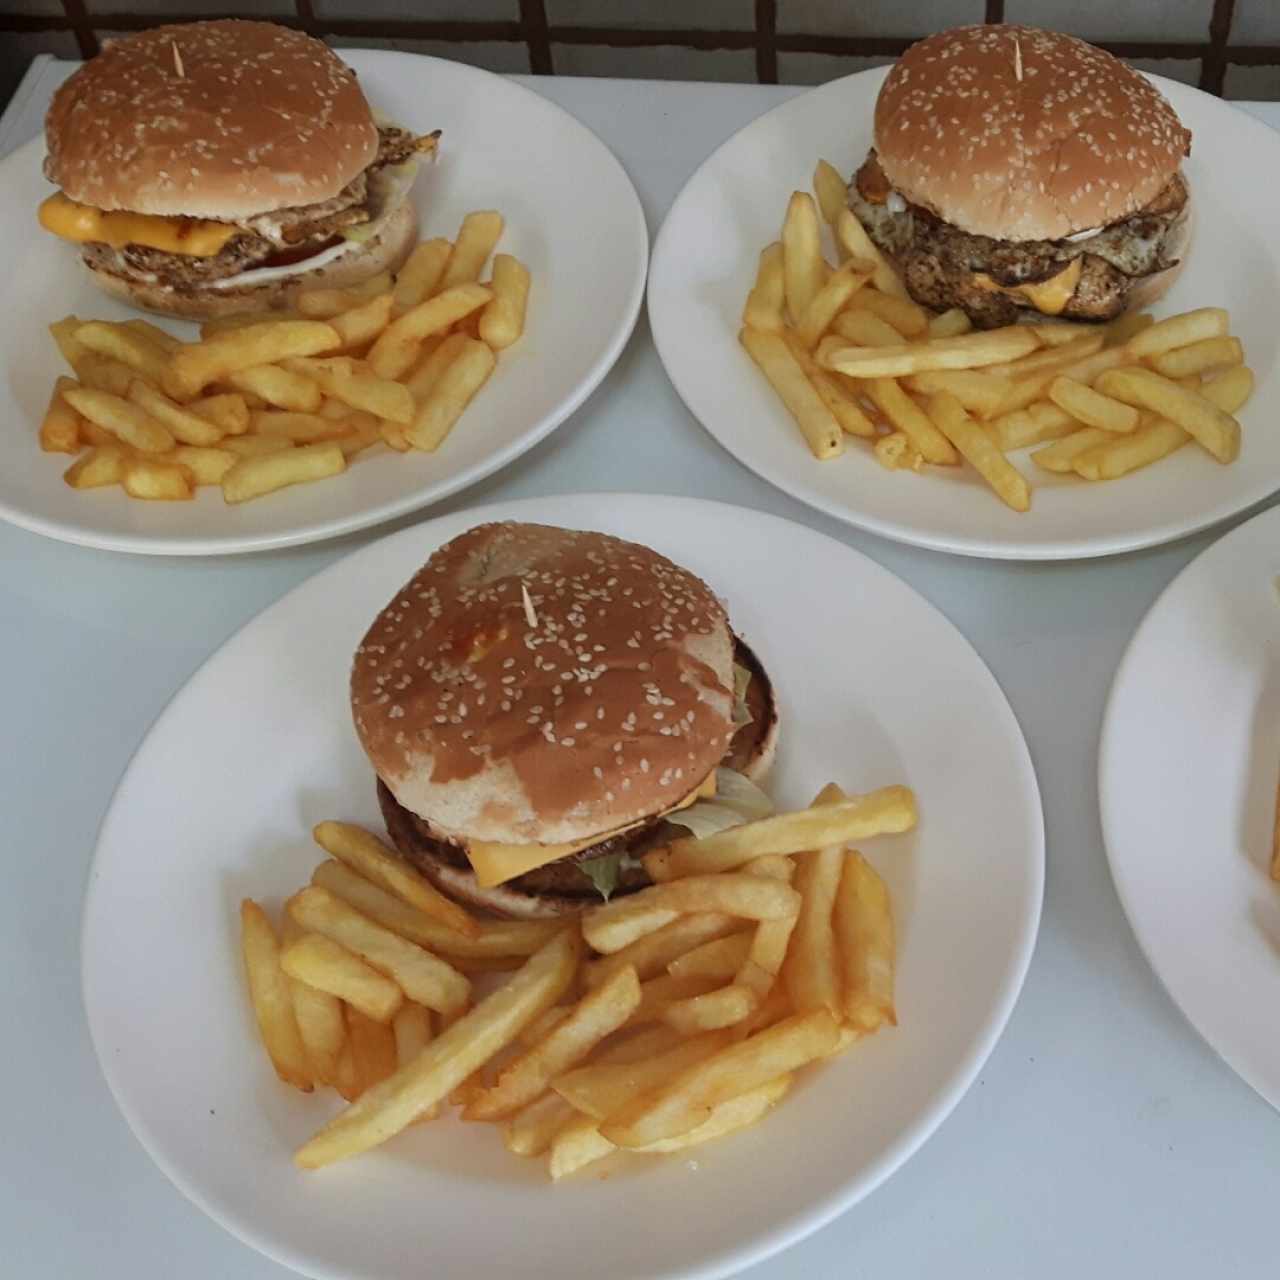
(1092, 407)
(765, 304)
(345, 379)
(1155, 439)
(575, 1145)
(102, 373)
(399, 344)
(325, 965)
(1037, 424)
(321, 304)
(908, 319)
(540, 1028)
(658, 994)
(437, 354)
(1179, 331)
(93, 435)
(630, 1045)
(362, 324)
(687, 1101)
(420, 275)
(451, 1057)
(363, 432)
(128, 346)
(281, 388)
(809, 966)
(422, 976)
(155, 335)
(978, 449)
(1025, 391)
(655, 952)
(889, 811)
(502, 321)
(194, 367)
(1051, 334)
(1213, 428)
(137, 429)
(441, 408)
(475, 241)
(834, 392)
(252, 477)
(841, 287)
(909, 418)
(1052, 356)
(895, 452)
(1060, 457)
(272, 1002)
(969, 351)
(600, 1012)
(1230, 390)
(346, 1081)
(950, 324)
(60, 426)
(185, 426)
(241, 320)
(531, 1131)
(832, 192)
(301, 428)
(775, 360)
(980, 392)
(1196, 357)
(863, 922)
(857, 244)
(156, 481)
(711, 1010)
(101, 466)
(412, 1030)
(254, 446)
(63, 333)
(1132, 322)
(318, 1014)
(207, 465)
(772, 938)
(373, 1048)
(803, 269)
(228, 411)
(719, 959)
(861, 328)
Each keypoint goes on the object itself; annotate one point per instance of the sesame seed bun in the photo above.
(602, 699)
(1021, 134)
(221, 120)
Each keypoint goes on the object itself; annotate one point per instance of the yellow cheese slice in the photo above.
(1049, 296)
(82, 223)
(495, 863)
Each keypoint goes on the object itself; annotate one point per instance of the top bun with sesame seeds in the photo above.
(1021, 134)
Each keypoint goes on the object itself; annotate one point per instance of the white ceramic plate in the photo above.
(876, 687)
(1187, 775)
(504, 147)
(704, 262)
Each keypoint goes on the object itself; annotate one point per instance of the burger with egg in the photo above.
(542, 705)
(219, 167)
(1019, 172)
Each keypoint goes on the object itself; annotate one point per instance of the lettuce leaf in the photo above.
(741, 712)
(603, 872)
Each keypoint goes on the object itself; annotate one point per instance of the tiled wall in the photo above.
(1225, 46)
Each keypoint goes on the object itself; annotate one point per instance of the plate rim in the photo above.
(842, 1197)
(893, 530)
(305, 535)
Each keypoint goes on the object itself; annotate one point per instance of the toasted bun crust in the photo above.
(603, 710)
(1022, 134)
(386, 252)
(219, 120)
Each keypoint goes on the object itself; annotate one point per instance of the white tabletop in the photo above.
(1103, 1136)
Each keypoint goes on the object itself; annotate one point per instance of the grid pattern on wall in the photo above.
(1210, 40)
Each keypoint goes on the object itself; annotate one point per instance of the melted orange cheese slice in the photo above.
(82, 223)
(1048, 296)
(495, 864)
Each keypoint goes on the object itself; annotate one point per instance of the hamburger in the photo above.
(1017, 173)
(219, 167)
(542, 705)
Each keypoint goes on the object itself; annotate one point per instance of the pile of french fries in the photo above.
(653, 1023)
(851, 355)
(261, 403)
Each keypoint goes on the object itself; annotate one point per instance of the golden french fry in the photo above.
(775, 360)
(630, 1045)
(155, 335)
(102, 373)
(362, 432)
(861, 328)
(809, 969)
(255, 446)
(765, 302)
(1040, 422)
(502, 321)
(1179, 331)
(863, 921)
(841, 287)
(346, 1081)
(658, 994)
(1060, 457)
(156, 481)
(719, 959)
(437, 353)
(835, 393)
(832, 192)
(1196, 357)
(1059, 334)
(969, 351)
(63, 333)
(252, 477)
(1133, 322)
(1152, 441)
(949, 324)
(599, 1013)
(228, 411)
(362, 324)
(301, 428)
(1052, 356)
(326, 304)
(451, 1057)
(185, 426)
(272, 1002)
(803, 269)
(612, 935)
(280, 388)
(100, 466)
(1025, 391)
(373, 1048)
(345, 379)
(531, 1131)
(318, 1014)
(60, 426)
(908, 319)
(1092, 407)
(687, 1101)
(422, 976)
(399, 345)
(326, 966)
(540, 1028)
(711, 1010)
(978, 449)
(857, 244)
(455, 388)
(194, 367)
(772, 938)
(207, 465)
(241, 320)
(137, 429)
(655, 952)
(128, 346)
(772, 1009)
(895, 452)
(1213, 428)
(909, 418)
(980, 392)
(413, 1032)
(1230, 390)
(575, 1145)
(421, 274)
(476, 239)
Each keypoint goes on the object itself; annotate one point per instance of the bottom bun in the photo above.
(386, 252)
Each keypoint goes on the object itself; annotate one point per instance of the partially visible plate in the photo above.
(704, 261)
(1187, 776)
(504, 147)
(875, 687)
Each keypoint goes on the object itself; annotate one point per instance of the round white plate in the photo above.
(876, 687)
(505, 148)
(1187, 773)
(704, 262)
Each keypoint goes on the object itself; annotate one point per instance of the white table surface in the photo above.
(1103, 1137)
